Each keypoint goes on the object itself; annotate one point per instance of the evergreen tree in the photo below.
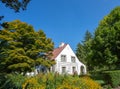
(21, 48)
(83, 49)
(88, 36)
(16, 5)
(80, 52)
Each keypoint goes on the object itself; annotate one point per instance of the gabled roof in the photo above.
(58, 50)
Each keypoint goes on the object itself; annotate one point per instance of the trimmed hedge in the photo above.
(112, 77)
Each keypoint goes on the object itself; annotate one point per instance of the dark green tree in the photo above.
(16, 5)
(21, 48)
(105, 47)
(88, 36)
(83, 49)
(80, 52)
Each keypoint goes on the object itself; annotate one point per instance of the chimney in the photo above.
(61, 44)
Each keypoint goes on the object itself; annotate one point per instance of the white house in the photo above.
(67, 61)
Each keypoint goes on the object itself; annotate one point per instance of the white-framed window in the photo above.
(63, 70)
(73, 59)
(63, 58)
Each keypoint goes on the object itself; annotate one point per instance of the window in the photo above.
(73, 70)
(63, 58)
(72, 59)
(82, 70)
(63, 70)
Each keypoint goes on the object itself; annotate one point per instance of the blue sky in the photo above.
(63, 20)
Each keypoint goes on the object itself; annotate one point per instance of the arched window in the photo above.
(82, 70)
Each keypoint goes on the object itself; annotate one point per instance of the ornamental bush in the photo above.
(112, 77)
(88, 83)
(12, 81)
(52, 81)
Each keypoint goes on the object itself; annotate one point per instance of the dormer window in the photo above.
(73, 59)
(63, 58)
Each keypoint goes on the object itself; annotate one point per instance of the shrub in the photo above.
(98, 77)
(88, 83)
(51, 81)
(112, 77)
(32, 83)
(2, 80)
(13, 81)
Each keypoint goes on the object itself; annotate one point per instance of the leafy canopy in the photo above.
(16, 5)
(102, 52)
(22, 48)
(105, 47)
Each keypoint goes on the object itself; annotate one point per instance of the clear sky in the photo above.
(63, 20)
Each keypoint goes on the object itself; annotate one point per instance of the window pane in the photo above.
(72, 59)
(63, 58)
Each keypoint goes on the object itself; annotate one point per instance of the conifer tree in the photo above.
(83, 49)
(22, 48)
(16, 5)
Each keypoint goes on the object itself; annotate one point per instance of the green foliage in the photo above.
(21, 48)
(112, 78)
(106, 44)
(51, 81)
(98, 77)
(102, 51)
(48, 81)
(80, 52)
(83, 50)
(87, 37)
(12, 81)
(16, 4)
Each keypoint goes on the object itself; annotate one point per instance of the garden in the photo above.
(49, 81)
(22, 48)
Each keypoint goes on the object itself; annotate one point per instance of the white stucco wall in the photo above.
(68, 64)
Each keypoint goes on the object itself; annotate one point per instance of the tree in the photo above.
(16, 5)
(83, 49)
(88, 36)
(105, 46)
(80, 52)
(21, 48)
